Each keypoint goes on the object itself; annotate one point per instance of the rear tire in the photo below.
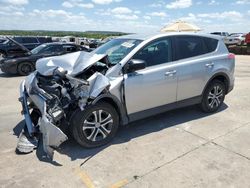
(213, 96)
(25, 68)
(95, 126)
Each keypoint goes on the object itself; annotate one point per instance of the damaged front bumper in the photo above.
(52, 136)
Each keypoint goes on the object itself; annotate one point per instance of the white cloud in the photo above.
(67, 4)
(122, 13)
(16, 2)
(126, 17)
(158, 14)
(243, 2)
(105, 2)
(77, 3)
(86, 5)
(179, 4)
(157, 4)
(121, 10)
(147, 17)
(213, 2)
(231, 15)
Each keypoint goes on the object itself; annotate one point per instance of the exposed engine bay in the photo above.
(49, 101)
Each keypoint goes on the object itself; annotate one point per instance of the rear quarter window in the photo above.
(211, 44)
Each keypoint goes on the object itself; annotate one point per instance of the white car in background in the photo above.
(229, 39)
(239, 37)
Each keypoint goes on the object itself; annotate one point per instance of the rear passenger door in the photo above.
(194, 63)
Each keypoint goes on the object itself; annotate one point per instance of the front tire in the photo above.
(25, 68)
(96, 125)
(213, 96)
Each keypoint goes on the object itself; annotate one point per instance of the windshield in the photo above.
(117, 49)
(38, 49)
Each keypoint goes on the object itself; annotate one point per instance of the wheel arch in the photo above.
(19, 63)
(221, 76)
(115, 102)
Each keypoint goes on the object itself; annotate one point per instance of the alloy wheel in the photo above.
(98, 125)
(215, 96)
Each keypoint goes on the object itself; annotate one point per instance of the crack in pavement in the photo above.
(227, 149)
(166, 163)
(196, 148)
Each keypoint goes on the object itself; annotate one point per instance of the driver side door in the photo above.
(152, 87)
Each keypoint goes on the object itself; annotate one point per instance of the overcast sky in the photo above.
(135, 16)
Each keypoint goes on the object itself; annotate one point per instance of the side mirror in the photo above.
(136, 64)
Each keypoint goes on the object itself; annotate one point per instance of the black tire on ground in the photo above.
(213, 96)
(85, 125)
(25, 68)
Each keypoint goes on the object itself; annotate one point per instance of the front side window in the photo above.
(52, 49)
(189, 46)
(156, 53)
(117, 49)
(46, 49)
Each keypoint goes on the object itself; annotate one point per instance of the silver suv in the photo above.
(124, 80)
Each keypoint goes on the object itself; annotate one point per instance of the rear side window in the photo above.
(26, 40)
(216, 33)
(29, 40)
(44, 39)
(189, 46)
(18, 39)
(211, 44)
(52, 49)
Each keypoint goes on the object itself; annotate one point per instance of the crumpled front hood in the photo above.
(74, 63)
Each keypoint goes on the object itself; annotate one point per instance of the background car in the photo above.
(32, 42)
(235, 39)
(223, 34)
(26, 64)
(11, 48)
(247, 41)
(2, 40)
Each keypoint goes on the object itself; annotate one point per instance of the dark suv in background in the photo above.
(26, 64)
(32, 42)
(19, 46)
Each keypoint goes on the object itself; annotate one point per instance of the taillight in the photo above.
(231, 56)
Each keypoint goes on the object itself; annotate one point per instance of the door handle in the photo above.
(209, 65)
(170, 73)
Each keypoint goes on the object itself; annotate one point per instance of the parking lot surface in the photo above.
(181, 148)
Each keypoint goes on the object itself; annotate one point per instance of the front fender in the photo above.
(118, 105)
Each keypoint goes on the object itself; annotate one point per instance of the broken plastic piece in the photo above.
(26, 144)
